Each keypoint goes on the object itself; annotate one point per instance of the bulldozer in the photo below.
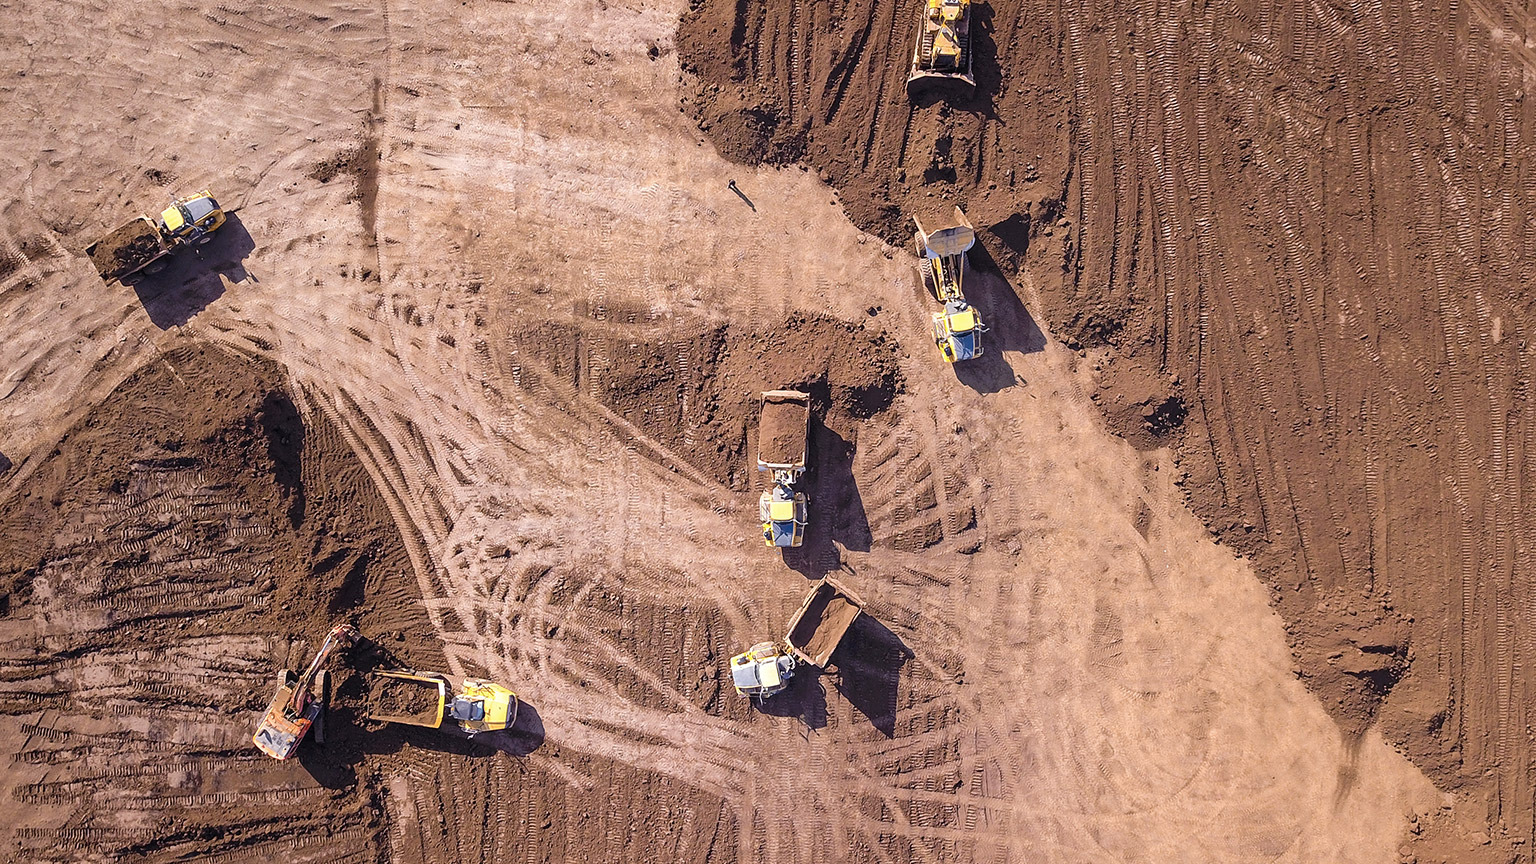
(299, 702)
(943, 49)
(782, 430)
(942, 264)
(421, 699)
(814, 633)
(141, 242)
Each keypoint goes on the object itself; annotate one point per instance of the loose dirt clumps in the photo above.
(781, 432)
(699, 394)
(397, 697)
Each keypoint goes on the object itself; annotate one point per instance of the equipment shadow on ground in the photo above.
(836, 508)
(192, 279)
(805, 698)
(1011, 327)
(869, 663)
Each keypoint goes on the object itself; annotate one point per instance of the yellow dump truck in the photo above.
(814, 633)
(423, 699)
(142, 242)
(782, 432)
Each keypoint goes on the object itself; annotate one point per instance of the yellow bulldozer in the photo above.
(943, 49)
(942, 264)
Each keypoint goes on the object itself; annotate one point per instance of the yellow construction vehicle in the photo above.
(942, 264)
(421, 699)
(943, 50)
(142, 242)
(814, 633)
(300, 700)
(783, 424)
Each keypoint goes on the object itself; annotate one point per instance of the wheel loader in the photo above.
(300, 700)
(421, 699)
(814, 633)
(782, 429)
(942, 264)
(943, 49)
(141, 243)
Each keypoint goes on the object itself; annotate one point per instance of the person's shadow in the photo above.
(869, 662)
(194, 277)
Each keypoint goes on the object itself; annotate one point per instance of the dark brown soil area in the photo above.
(1303, 235)
(781, 432)
(396, 697)
(128, 247)
(699, 393)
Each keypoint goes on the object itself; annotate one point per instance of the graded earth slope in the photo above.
(1304, 233)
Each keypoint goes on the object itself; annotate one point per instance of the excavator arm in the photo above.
(340, 635)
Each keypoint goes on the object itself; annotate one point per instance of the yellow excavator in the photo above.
(943, 50)
(942, 264)
(299, 700)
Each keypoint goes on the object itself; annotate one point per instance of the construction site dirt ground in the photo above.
(475, 364)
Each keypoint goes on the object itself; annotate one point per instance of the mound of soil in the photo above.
(396, 697)
(699, 393)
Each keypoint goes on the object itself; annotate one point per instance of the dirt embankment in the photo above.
(699, 393)
(1304, 238)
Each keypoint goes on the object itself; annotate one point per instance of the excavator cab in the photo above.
(482, 706)
(762, 670)
(784, 518)
(299, 700)
(192, 218)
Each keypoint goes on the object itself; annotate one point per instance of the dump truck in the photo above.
(814, 633)
(782, 431)
(422, 699)
(943, 49)
(299, 702)
(942, 265)
(142, 242)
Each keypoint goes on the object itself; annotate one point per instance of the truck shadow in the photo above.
(1011, 327)
(805, 698)
(836, 507)
(869, 663)
(195, 277)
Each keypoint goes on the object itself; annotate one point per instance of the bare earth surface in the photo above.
(1303, 232)
(489, 311)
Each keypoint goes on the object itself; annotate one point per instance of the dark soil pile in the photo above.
(1304, 238)
(699, 393)
(396, 697)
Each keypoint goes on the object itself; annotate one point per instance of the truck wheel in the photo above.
(206, 238)
(157, 267)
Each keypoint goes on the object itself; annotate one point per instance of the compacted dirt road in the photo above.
(475, 365)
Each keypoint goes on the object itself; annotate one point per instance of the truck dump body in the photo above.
(402, 697)
(781, 429)
(128, 249)
(825, 616)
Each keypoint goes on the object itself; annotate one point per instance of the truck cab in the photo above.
(192, 218)
(482, 706)
(784, 519)
(762, 670)
(957, 331)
